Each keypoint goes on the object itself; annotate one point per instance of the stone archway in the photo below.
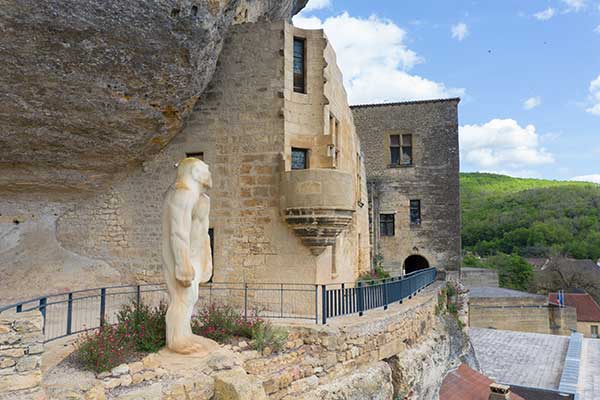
(415, 263)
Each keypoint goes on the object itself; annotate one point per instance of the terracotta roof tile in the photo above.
(402, 103)
(587, 308)
(467, 384)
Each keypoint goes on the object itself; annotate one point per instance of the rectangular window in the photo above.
(386, 224)
(594, 331)
(415, 212)
(395, 149)
(299, 158)
(406, 150)
(299, 65)
(199, 155)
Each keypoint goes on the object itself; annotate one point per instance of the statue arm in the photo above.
(180, 223)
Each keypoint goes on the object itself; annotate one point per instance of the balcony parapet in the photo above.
(318, 204)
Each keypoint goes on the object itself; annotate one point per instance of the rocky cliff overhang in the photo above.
(90, 87)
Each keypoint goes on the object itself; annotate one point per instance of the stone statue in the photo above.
(186, 252)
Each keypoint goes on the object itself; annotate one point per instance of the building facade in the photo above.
(412, 161)
(289, 195)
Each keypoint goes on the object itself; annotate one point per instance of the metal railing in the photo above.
(344, 299)
(74, 312)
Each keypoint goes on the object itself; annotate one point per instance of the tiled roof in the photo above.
(467, 384)
(401, 103)
(587, 309)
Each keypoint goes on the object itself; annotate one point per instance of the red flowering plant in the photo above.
(103, 348)
(221, 323)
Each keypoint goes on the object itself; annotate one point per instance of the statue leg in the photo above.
(181, 306)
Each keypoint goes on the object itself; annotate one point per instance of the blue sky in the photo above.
(528, 73)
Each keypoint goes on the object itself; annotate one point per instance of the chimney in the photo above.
(499, 392)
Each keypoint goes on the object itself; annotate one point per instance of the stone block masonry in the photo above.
(429, 130)
(21, 347)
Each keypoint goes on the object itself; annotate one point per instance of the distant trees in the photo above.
(529, 217)
(567, 274)
(514, 272)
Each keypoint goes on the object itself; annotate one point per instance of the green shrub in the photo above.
(371, 277)
(221, 323)
(145, 325)
(103, 348)
(264, 335)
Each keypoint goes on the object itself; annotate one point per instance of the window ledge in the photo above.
(415, 226)
(400, 165)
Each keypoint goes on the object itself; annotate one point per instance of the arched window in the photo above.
(415, 263)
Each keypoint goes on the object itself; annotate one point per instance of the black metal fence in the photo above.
(343, 299)
(74, 312)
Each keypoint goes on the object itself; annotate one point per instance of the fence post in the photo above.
(360, 299)
(102, 305)
(69, 313)
(245, 301)
(281, 301)
(385, 295)
(324, 303)
(138, 294)
(343, 307)
(42, 308)
(317, 304)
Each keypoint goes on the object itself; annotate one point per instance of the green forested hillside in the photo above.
(529, 217)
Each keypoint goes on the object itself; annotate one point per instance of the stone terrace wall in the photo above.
(21, 346)
(479, 277)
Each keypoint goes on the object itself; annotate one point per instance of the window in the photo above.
(395, 149)
(594, 331)
(199, 155)
(386, 224)
(299, 158)
(401, 150)
(406, 158)
(299, 65)
(415, 212)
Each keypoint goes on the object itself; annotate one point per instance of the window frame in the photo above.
(387, 220)
(195, 154)
(306, 158)
(415, 221)
(297, 88)
(395, 147)
(405, 146)
(594, 334)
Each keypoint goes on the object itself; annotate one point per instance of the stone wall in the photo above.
(479, 277)
(402, 352)
(433, 179)
(21, 346)
(521, 314)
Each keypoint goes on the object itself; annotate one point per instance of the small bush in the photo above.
(264, 335)
(371, 277)
(221, 323)
(146, 325)
(103, 348)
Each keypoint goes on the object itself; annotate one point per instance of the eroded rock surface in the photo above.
(89, 87)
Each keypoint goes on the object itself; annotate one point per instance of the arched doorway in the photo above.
(414, 263)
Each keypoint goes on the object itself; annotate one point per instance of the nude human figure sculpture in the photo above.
(186, 252)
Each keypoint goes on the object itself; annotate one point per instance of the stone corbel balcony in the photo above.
(318, 204)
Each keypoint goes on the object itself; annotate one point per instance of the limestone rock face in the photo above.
(89, 87)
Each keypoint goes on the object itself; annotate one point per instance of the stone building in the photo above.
(412, 161)
(289, 195)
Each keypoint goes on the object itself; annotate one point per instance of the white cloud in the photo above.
(375, 60)
(545, 15)
(597, 30)
(595, 178)
(595, 96)
(317, 5)
(532, 103)
(460, 31)
(502, 143)
(575, 5)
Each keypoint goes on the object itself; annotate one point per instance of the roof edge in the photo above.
(400, 103)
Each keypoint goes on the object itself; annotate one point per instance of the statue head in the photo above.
(196, 170)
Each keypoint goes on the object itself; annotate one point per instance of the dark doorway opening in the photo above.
(415, 263)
